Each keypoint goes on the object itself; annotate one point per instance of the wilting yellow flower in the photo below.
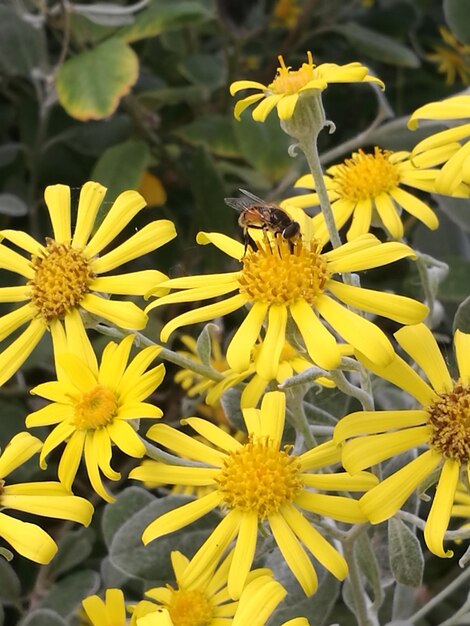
(370, 188)
(206, 601)
(288, 85)
(63, 277)
(49, 499)
(94, 409)
(440, 427)
(255, 482)
(451, 146)
(452, 57)
(278, 279)
(110, 612)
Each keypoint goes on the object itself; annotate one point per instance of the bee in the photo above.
(258, 214)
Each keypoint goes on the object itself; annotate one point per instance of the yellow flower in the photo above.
(206, 601)
(277, 280)
(258, 482)
(288, 85)
(110, 612)
(50, 499)
(440, 427)
(369, 187)
(451, 146)
(93, 409)
(452, 57)
(63, 277)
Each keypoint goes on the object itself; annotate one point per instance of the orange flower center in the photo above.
(190, 608)
(289, 81)
(95, 409)
(61, 279)
(365, 175)
(449, 418)
(259, 477)
(276, 273)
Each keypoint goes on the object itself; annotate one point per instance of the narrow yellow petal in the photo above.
(15, 294)
(326, 453)
(58, 435)
(415, 207)
(71, 457)
(462, 354)
(19, 450)
(227, 244)
(149, 238)
(156, 472)
(83, 378)
(213, 433)
(102, 444)
(323, 551)
(264, 108)
(49, 415)
(14, 262)
(91, 456)
(181, 517)
(388, 213)
(57, 199)
(356, 330)
(286, 106)
(13, 357)
(16, 318)
(395, 307)
(341, 481)
(364, 452)
(272, 416)
(238, 85)
(243, 554)
(239, 349)
(91, 197)
(439, 515)
(365, 259)
(241, 105)
(383, 501)
(372, 422)
(451, 173)
(123, 314)
(78, 341)
(362, 216)
(27, 539)
(131, 284)
(126, 205)
(338, 507)
(294, 554)
(267, 362)
(185, 446)
(418, 341)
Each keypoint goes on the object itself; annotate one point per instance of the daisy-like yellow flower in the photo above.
(371, 188)
(451, 146)
(289, 85)
(207, 601)
(452, 57)
(93, 408)
(63, 278)
(440, 427)
(108, 612)
(259, 481)
(277, 279)
(49, 499)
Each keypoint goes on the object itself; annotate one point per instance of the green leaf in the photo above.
(74, 548)
(91, 84)
(121, 167)
(378, 46)
(406, 557)
(208, 70)
(12, 205)
(204, 342)
(22, 47)
(213, 132)
(10, 587)
(264, 145)
(152, 562)
(457, 14)
(109, 14)
(367, 561)
(128, 502)
(160, 17)
(172, 95)
(43, 617)
(66, 595)
(94, 138)
(462, 317)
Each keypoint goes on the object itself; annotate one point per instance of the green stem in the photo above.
(297, 417)
(358, 593)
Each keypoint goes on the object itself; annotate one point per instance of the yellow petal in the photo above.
(338, 507)
(241, 105)
(370, 422)
(239, 349)
(13, 357)
(340, 481)
(238, 85)
(362, 216)
(243, 554)
(272, 417)
(415, 207)
(16, 318)
(19, 450)
(57, 199)
(27, 539)
(439, 515)
(286, 106)
(264, 108)
(123, 314)
(389, 215)
(91, 197)
(213, 433)
(71, 457)
(185, 446)
(131, 284)
(14, 262)
(230, 246)
(462, 353)
(267, 362)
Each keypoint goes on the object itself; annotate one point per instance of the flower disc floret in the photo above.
(277, 275)
(61, 279)
(96, 408)
(190, 607)
(260, 478)
(288, 81)
(449, 417)
(366, 175)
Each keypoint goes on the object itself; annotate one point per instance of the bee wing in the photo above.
(242, 203)
(252, 197)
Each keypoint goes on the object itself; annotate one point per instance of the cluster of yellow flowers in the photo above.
(304, 313)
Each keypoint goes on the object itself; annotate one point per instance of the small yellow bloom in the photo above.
(277, 280)
(452, 58)
(49, 499)
(370, 189)
(258, 482)
(440, 426)
(110, 612)
(288, 86)
(450, 147)
(93, 408)
(206, 601)
(63, 278)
